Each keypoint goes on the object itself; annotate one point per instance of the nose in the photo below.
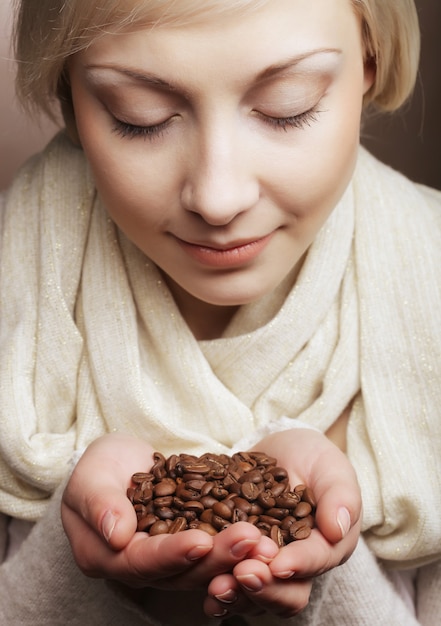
(220, 180)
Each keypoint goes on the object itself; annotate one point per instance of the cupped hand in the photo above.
(100, 523)
(281, 584)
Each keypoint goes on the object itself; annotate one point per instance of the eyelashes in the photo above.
(307, 118)
(133, 131)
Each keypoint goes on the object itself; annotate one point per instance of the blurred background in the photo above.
(409, 140)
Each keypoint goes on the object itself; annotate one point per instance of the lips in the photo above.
(228, 255)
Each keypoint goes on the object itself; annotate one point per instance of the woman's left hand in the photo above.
(282, 583)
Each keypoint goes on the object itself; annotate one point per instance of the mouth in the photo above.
(228, 255)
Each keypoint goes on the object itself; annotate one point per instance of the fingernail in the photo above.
(221, 613)
(228, 596)
(241, 548)
(197, 552)
(108, 525)
(344, 521)
(250, 582)
(284, 575)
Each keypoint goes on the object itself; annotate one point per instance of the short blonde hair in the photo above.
(48, 32)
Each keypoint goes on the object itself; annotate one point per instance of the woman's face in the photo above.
(220, 148)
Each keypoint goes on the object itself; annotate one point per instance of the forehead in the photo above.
(282, 34)
(103, 14)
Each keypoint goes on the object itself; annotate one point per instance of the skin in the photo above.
(194, 158)
(222, 172)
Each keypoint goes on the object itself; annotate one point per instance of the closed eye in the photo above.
(307, 118)
(132, 131)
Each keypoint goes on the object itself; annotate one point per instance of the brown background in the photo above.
(409, 140)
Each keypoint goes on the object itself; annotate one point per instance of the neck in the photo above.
(205, 320)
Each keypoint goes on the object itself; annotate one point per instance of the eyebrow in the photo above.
(269, 72)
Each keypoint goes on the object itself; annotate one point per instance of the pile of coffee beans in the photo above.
(211, 492)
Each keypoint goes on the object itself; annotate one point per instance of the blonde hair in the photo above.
(48, 32)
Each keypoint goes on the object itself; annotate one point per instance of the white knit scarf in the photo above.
(91, 342)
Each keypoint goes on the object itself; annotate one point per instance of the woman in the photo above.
(219, 263)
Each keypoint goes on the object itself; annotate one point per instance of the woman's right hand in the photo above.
(100, 523)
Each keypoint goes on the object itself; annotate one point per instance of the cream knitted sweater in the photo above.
(91, 341)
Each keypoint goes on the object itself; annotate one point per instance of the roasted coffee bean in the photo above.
(253, 476)
(219, 492)
(159, 528)
(242, 504)
(287, 500)
(196, 484)
(278, 513)
(194, 505)
(264, 528)
(190, 516)
(303, 509)
(272, 521)
(145, 522)
(223, 510)
(279, 488)
(170, 465)
(207, 516)
(239, 516)
(208, 528)
(287, 522)
(164, 501)
(179, 524)
(308, 496)
(212, 491)
(276, 536)
(140, 477)
(166, 487)
(299, 530)
(266, 499)
(208, 501)
(164, 513)
(219, 522)
(250, 491)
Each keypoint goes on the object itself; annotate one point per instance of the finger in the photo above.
(336, 490)
(338, 503)
(229, 547)
(312, 556)
(284, 598)
(226, 598)
(97, 488)
(152, 561)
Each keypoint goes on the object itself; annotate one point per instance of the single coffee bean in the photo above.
(145, 523)
(221, 509)
(166, 487)
(140, 477)
(195, 505)
(276, 536)
(158, 528)
(207, 516)
(179, 524)
(266, 499)
(287, 500)
(208, 501)
(253, 476)
(208, 528)
(272, 521)
(303, 509)
(164, 513)
(299, 530)
(308, 497)
(250, 491)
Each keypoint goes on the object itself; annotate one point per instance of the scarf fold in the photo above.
(92, 342)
